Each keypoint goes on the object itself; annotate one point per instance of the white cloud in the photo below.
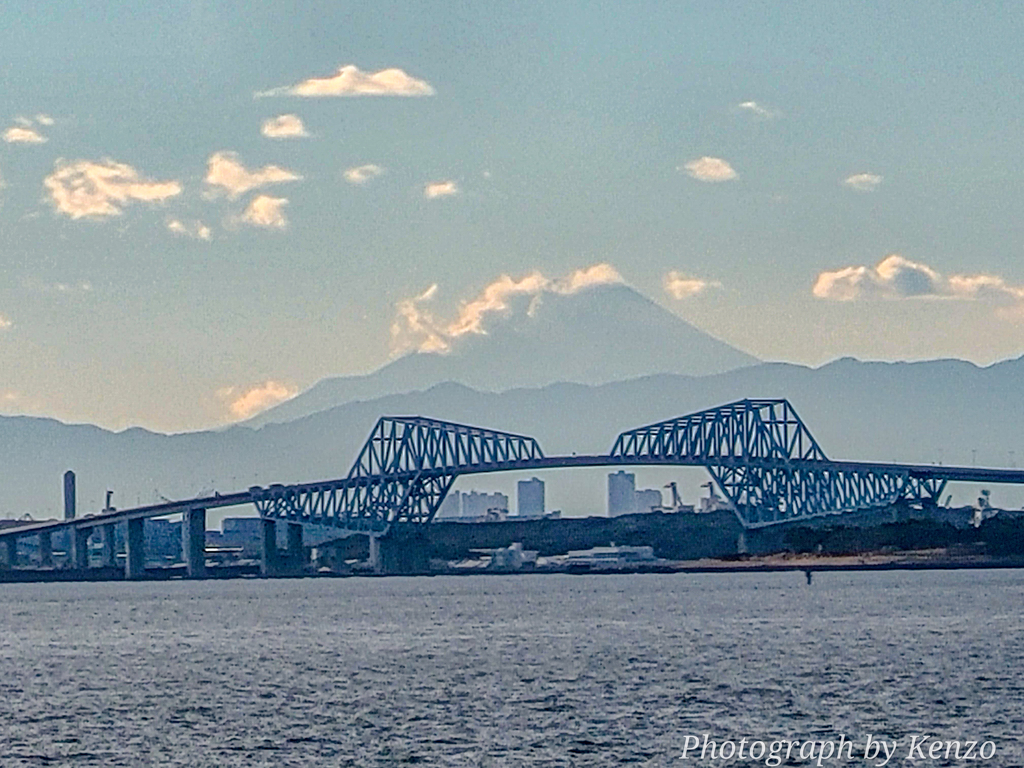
(267, 212)
(680, 286)
(84, 188)
(84, 287)
(22, 135)
(352, 81)
(44, 119)
(709, 169)
(194, 229)
(243, 403)
(35, 285)
(5, 323)
(895, 277)
(363, 173)
(226, 174)
(758, 109)
(437, 189)
(284, 127)
(863, 182)
(415, 327)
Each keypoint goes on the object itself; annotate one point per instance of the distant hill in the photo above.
(948, 411)
(599, 334)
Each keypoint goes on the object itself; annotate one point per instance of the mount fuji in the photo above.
(593, 335)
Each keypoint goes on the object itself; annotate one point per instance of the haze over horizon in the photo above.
(205, 211)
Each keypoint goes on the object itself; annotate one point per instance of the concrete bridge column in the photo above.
(404, 556)
(193, 542)
(296, 550)
(45, 549)
(109, 558)
(79, 538)
(135, 549)
(9, 552)
(269, 559)
(374, 559)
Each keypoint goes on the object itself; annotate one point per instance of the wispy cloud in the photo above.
(20, 135)
(91, 189)
(64, 288)
(5, 323)
(284, 127)
(363, 173)
(895, 277)
(416, 328)
(709, 169)
(226, 174)
(194, 229)
(863, 182)
(681, 286)
(761, 111)
(24, 130)
(244, 402)
(267, 212)
(436, 189)
(352, 81)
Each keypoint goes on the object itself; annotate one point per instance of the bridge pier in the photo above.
(45, 549)
(374, 559)
(79, 541)
(193, 542)
(10, 552)
(296, 549)
(109, 557)
(135, 549)
(404, 556)
(270, 559)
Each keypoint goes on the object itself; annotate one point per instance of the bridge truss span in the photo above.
(760, 454)
(746, 429)
(768, 465)
(402, 474)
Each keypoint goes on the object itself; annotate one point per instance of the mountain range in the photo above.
(598, 334)
(573, 370)
(939, 411)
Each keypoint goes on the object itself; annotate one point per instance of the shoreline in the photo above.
(920, 560)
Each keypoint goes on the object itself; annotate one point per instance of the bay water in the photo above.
(546, 670)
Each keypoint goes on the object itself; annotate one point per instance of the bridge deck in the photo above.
(241, 498)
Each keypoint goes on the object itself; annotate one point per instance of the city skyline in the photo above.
(204, 212)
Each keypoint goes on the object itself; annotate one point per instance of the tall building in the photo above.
(471, 506)
(530, 498)
(476, 504)
(621, 493)
(451, 507)
(648, 498)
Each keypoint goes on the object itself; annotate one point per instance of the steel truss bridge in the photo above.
(759, 453)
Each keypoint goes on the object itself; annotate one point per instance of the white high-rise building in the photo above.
(530, 498)
(621, 493)
(451, 507)
(648, 499)
(476, 504)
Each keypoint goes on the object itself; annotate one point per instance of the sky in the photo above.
(206, 207)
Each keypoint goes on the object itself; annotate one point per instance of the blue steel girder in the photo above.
(767, 463)
(402, 474)
(745, 429)
(759, 452)
(764, 494)
(404, 444)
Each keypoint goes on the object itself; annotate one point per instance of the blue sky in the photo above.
(164, 262)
